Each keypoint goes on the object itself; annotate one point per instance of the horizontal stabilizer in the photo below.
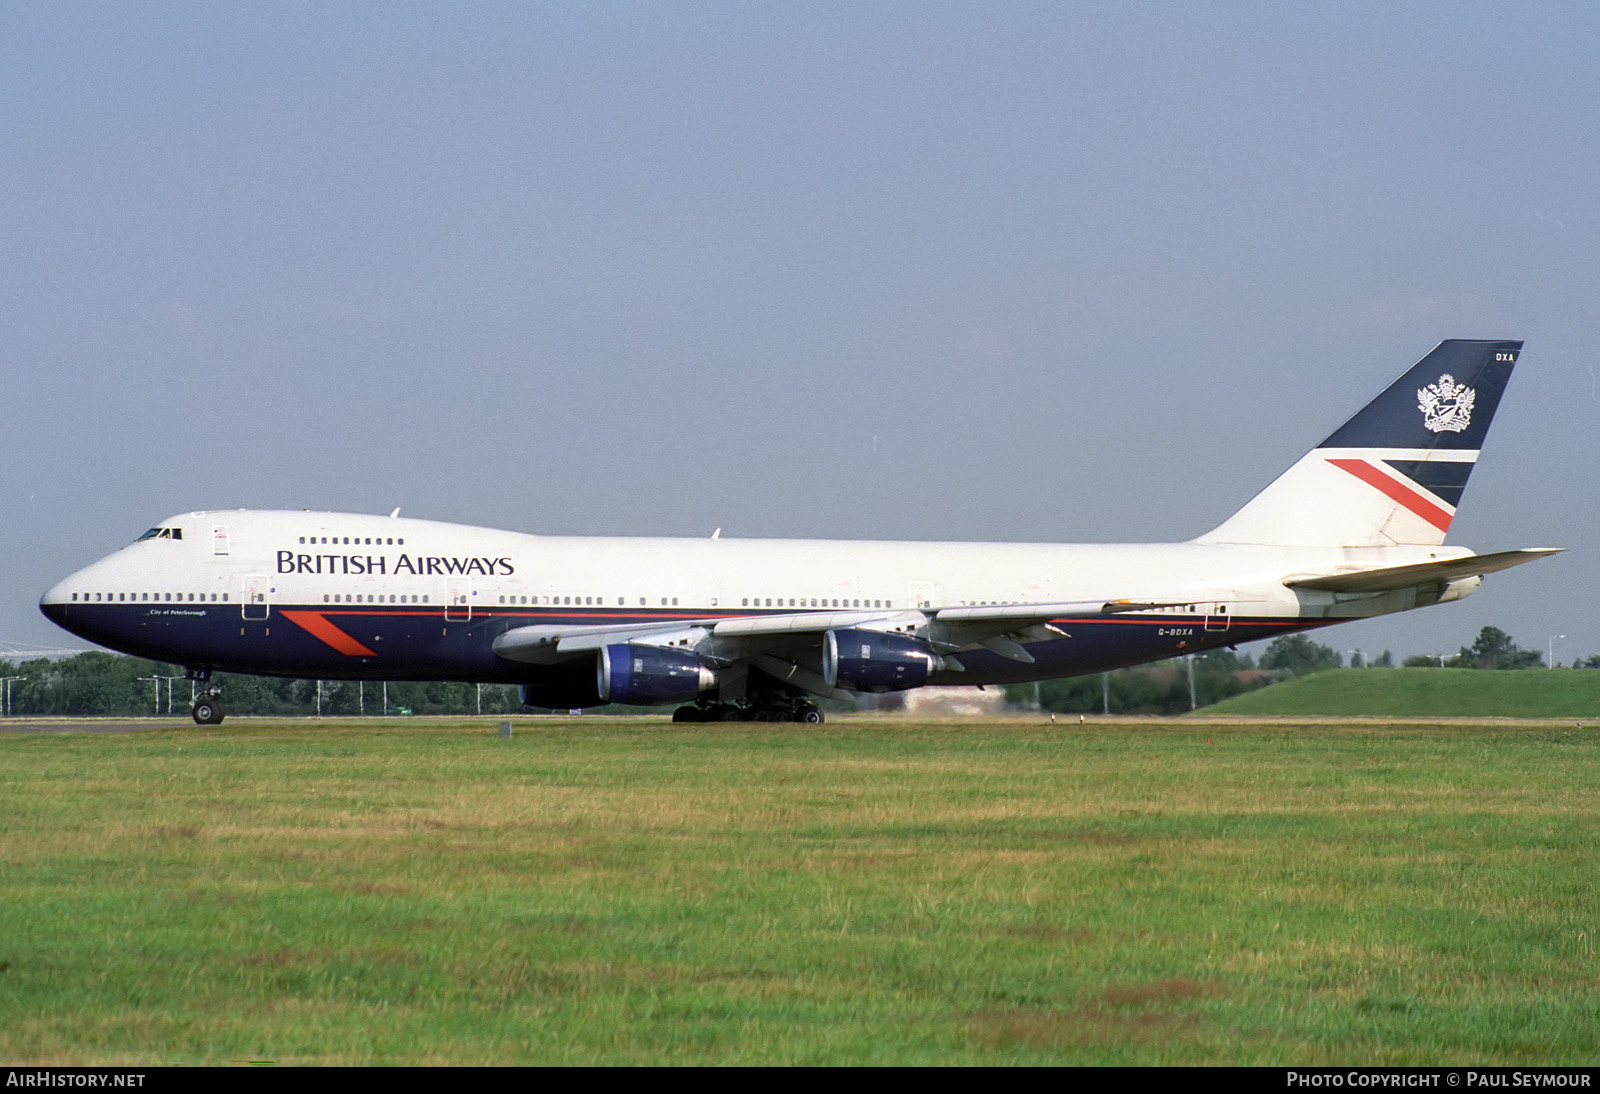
(1386, 578)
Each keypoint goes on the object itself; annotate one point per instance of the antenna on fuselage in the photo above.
(395, 513)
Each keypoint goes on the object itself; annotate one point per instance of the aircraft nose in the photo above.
(54, 603)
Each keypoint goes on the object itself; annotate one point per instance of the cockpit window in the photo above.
(161, 533)
(151, 534)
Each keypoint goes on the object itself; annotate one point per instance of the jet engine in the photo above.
(875, 661)
(646, 675)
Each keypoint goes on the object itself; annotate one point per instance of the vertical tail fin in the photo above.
(1394, 473)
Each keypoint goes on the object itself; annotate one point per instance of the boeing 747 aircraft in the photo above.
(730, 629)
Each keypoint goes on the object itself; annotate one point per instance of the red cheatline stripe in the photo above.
(314, 623)
(1361, 469)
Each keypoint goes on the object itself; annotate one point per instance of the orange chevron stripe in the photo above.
(1412, 500)
(314, 623)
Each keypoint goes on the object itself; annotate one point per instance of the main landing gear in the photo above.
(207, 709)
(804, 712)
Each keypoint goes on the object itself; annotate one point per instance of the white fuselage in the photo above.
(173, 598)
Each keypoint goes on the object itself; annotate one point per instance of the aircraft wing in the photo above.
(1385, 578)
(993, 626)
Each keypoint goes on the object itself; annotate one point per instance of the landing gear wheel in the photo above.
(810, 715)
(207, 711)
(687, 714)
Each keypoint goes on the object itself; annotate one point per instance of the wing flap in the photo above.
(1023, 613)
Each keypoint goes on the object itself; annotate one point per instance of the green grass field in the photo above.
(629, 891)
(1429, 693)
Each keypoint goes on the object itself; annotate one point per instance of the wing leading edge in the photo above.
(548, 643)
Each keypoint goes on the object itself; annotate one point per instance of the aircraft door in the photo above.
(458, 600)
(922, 593)
(255, 595)
(1216, 616)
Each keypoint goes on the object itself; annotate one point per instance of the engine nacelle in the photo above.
(875, 661)
(646, 675)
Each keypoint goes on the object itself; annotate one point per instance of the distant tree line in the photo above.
(111, 685)
(1164, 687)
(96, 683)
(1493, 649)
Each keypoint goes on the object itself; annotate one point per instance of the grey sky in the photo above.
(946, 271)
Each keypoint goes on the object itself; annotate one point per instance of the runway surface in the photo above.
(86, 725)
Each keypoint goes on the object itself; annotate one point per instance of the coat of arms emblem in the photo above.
(1446, 406)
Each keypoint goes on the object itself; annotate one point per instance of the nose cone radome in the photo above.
(54, 603)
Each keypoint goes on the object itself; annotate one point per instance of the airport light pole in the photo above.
(1551, 663)
(169, 680)
(5, 698)
(157, 681)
